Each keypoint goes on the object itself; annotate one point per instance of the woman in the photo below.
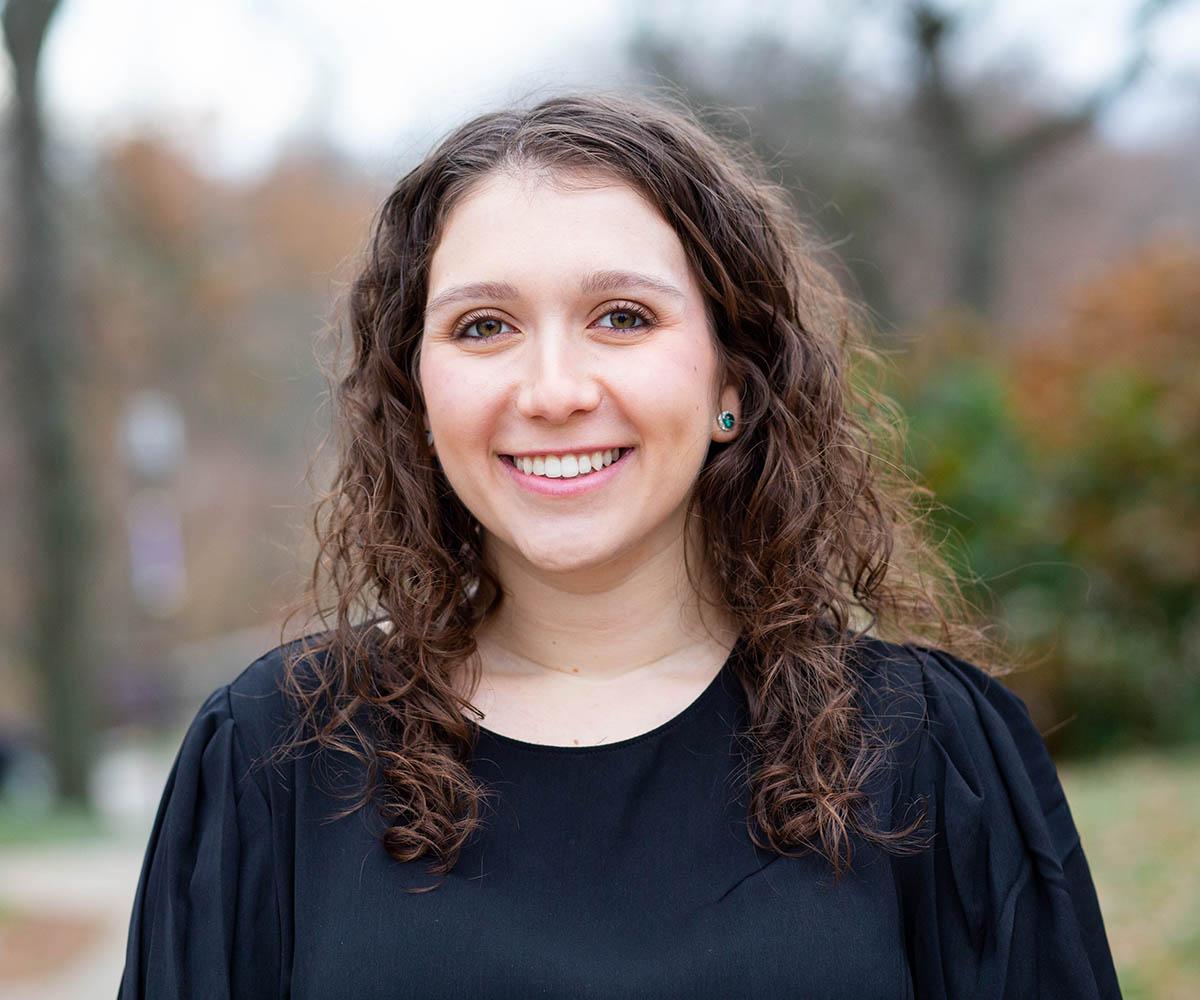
(607, 486)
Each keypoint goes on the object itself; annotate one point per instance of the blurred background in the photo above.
(1012, 189)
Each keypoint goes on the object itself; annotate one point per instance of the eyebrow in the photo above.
(596, 282)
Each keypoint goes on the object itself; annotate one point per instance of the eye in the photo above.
(626, 315)
(482, 320)
(488, 326)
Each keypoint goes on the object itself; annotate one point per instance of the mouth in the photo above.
(570, 484)
(617, 455)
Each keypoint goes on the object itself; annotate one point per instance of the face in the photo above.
(564, 320)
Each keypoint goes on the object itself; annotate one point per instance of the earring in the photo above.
(428, 436)
(726, 420)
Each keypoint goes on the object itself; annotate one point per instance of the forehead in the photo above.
(512, 220)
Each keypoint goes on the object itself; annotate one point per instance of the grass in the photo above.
(1139, 819)
(31, 827)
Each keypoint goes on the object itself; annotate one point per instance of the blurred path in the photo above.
(72, 898)
(92, 881)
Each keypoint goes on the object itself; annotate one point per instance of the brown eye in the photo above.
(627, 318)
(485, 327)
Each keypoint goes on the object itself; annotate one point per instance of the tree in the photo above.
(42, 353)
(983, 168)
(908, 171)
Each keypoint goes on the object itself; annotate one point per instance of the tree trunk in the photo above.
(43, 354)
(980, 240)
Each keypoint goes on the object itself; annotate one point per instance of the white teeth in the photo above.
(566, 466)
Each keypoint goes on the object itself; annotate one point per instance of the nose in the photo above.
(558, 379)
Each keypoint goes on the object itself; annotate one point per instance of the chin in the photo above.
(569, 557)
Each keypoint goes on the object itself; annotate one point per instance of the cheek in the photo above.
(456, 395)
(671, 382)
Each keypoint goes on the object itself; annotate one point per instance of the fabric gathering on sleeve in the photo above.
(1003, 904)
(205, 922)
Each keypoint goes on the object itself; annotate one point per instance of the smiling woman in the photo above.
(612, 479)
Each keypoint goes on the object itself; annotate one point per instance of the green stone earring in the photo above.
(726, 420)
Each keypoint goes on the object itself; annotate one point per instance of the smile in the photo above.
(554, 475)
(565, 466)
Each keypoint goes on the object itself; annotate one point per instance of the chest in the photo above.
(768, 931)
(632, 877)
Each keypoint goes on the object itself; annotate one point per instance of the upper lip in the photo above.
(586, 449)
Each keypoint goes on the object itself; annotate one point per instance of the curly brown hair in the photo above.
(808, 519)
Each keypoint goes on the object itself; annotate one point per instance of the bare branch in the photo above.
(938, 103)
(1053, 130)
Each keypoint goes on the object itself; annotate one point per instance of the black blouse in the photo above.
(626, 869)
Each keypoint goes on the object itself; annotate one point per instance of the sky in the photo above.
(233, 79)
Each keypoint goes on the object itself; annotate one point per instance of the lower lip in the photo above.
(568, 487)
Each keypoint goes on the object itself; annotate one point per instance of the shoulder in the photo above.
(255, 701)
(953, 723)
(895, 677)
(922, 694)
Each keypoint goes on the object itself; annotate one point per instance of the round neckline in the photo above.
(660, 730)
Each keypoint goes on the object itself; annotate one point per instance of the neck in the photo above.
(646, 617)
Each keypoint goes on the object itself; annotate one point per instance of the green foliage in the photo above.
(965, 445)
(1066, 466)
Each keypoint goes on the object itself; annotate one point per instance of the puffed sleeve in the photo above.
(1003, 904)
(205, 922)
